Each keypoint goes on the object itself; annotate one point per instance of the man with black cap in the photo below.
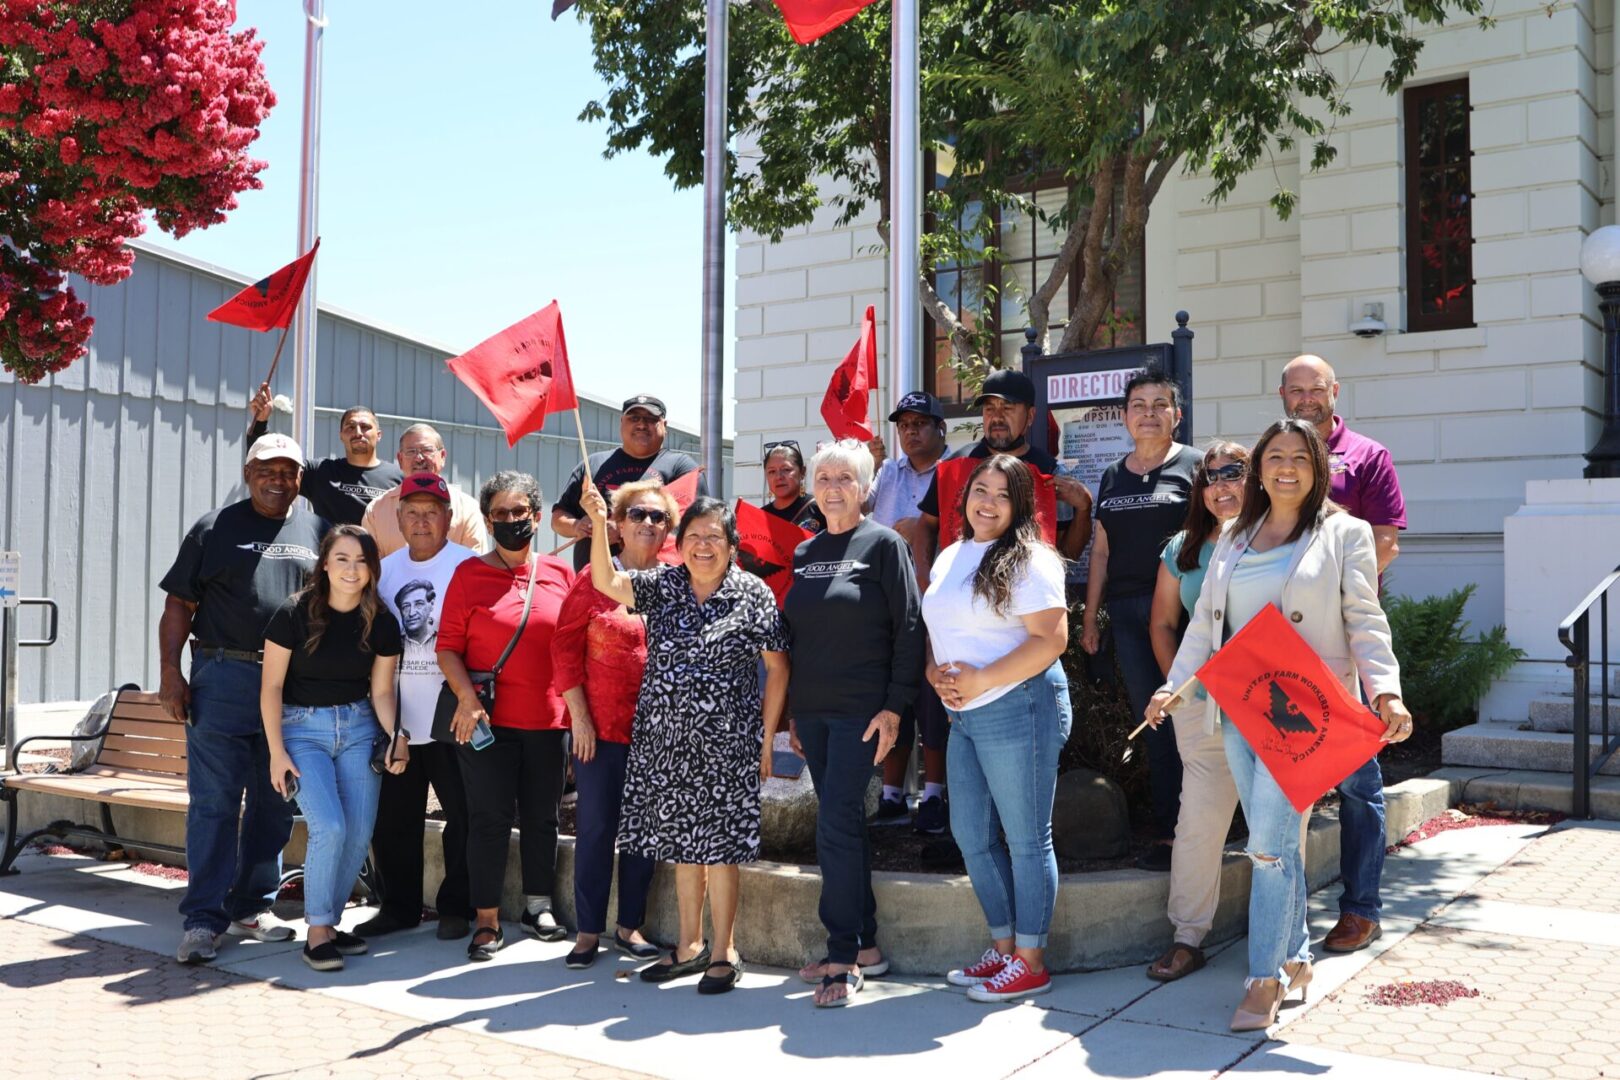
(641, 454)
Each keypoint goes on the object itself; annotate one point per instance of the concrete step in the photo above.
(1503, 746)
(1557, 712)
(1523, 789)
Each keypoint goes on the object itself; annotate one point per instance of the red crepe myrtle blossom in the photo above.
(109, 109)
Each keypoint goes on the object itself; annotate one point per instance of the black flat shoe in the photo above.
(324, 957)
(350, 944)
(636, 950)
(720, 984)
(486, 942)
(676, 969)
(582, 957)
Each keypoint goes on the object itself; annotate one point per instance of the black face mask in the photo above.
(514, 535)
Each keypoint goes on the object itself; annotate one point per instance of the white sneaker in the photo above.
(196, 947)
(263, 927)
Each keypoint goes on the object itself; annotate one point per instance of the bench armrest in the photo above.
(16, 751)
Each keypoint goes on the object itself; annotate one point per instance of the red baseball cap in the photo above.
(425, 483)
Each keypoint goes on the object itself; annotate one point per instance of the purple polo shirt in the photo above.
(1364, 480)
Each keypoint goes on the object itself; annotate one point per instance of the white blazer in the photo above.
(1330, 595)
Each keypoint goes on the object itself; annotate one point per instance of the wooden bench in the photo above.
(142, 763)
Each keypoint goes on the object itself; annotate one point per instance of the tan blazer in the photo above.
(466, 521)
(1330, 596)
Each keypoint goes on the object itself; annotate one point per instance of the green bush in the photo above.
(1443, 672)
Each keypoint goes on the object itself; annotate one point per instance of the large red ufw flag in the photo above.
(809, 19)
(268, 304)
(952, 475)
(521, 374)
(765, 546)
(845, 406)
(1304, 725)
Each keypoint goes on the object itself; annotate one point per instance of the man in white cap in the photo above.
(236, 566)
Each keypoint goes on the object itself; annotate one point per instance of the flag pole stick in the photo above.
(271, 374)
(1182, 695)
(584, 454)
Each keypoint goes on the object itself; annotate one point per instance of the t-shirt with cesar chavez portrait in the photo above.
(414, 592)
(338, 672)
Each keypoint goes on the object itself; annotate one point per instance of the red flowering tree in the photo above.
(108, 109)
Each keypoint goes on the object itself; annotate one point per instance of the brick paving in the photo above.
(1574, 868)
(80, 1007)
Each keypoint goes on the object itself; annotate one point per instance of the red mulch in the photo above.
(1474, 815)
(1421, 992)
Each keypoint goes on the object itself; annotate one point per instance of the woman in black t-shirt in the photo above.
(327, 700)
(784, 477)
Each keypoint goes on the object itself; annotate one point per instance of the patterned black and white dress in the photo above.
(691, 786)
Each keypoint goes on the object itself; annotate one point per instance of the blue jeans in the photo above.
(1128, 623)
(599, 783)
(236, 824)
(1277, 933)
(331, 747)
(1001, 762)
(841, 768)
(1361, 841)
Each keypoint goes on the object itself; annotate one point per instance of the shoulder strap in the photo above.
(528, 602)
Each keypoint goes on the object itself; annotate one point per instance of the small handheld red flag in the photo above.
(952, 476)
(844, 406)
(1303, 724)
(521, 374)
(268, 304)
(684, 491)
(765, 546)
(809, 19)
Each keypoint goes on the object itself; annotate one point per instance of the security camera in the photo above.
(1371, 323)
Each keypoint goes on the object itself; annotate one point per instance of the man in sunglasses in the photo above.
(339, 488)
(640, 455)
(421, 450)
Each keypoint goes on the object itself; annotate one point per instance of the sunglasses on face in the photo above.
(1233, 471)
(638, 514)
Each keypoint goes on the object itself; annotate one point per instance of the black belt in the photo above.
(198, 650)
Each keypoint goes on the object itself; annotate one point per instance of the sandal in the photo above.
(486, 942)
(853, 982)
(719, 984)
(1165, 969)
(869, 971)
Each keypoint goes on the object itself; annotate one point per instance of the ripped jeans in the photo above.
(1277, 933)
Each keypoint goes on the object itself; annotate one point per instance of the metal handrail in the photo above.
(1575, 632)
(1567, 626)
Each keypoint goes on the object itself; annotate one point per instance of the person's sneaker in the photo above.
(324, 957)
(932, 819)
(262, 927)
(452, 928)
(382, 923)
(890, 812)
(350, 944)
(987, 967)
(1012, 982)
(196, 946)
(542, 925)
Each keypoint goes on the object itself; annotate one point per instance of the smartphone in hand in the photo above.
(289, 787)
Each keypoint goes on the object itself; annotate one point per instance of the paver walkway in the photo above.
(1525, 917)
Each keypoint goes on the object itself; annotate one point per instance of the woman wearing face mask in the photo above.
(784, 477)
(1290, 547)
(483, 611)
(597, 657)
(1208, 796)
(327, 700)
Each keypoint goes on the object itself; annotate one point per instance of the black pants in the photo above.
(600, 784)
(1128, 618)
(521, 769)
(396, 841)
(841, 768)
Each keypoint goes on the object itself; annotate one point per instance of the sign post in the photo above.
(10, 574)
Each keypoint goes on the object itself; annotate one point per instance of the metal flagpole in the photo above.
(905, 206)
(712, 416)
(309, 191)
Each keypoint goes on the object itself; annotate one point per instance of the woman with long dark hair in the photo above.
(327, 701)
(997, 623)
(1290, 547)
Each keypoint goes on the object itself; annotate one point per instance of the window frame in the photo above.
(1414, 98)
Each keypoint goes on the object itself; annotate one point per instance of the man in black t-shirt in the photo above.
(235, 567)
(641, 454)
(339, 488)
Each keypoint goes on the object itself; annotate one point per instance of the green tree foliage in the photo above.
(1444, 673)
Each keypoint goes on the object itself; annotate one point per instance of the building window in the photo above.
(1439, 208)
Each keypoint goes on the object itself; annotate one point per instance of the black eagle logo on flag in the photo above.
(1287, 717)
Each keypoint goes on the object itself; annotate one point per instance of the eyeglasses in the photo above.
(522, 513)
(419, 452)
(639, 514)
(1226, 473)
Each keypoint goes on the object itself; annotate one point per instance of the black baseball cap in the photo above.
(647, 402)
(1008, 385)
(918, 401)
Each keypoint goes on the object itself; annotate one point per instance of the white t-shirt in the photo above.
(414, 592)
(966, 629)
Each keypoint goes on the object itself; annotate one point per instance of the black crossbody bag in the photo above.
(444, 711)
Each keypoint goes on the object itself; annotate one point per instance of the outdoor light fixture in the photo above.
(1600, 262)
(1371, 323)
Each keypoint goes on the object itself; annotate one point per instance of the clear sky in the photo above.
(459, 192)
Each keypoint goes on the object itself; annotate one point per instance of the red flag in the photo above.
(684, 492)
(845, 405)
(952, 475)
(765, 546)
(268, 304)
(809, 19)
(1304, 725)
(521, 374)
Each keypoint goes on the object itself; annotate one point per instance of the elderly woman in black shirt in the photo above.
(857, 665)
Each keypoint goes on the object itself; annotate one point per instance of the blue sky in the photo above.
(459, 192)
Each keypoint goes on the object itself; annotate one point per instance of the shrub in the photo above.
(1102, 719)
(1443, 672)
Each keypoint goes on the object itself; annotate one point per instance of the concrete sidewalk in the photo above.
(1528, 918)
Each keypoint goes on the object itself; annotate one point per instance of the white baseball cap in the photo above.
(273, 446)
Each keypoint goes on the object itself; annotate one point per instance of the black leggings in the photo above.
(521, 769)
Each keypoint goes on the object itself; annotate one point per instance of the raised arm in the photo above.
(608, 579)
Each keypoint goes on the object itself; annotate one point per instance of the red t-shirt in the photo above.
(604, 648)
(481, 610)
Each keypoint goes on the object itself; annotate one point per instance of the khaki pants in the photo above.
(1208, 798)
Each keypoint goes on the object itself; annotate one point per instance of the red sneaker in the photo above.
(986, 968)
(1012, 982)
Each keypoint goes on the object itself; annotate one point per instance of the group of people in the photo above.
(391, 653)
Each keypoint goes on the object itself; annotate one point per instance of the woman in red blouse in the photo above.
(597, 657)
(524, 765)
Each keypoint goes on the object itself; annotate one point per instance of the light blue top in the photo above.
(1191, 581)
(1257, 580)
(897, 489)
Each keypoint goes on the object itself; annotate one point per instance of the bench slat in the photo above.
(175, 748)
(129, 790)
(142, 762)
(148, 729)
(128, 710)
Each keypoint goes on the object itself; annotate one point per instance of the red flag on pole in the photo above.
(844, 406)
(809, 19)
(684, 491)
(952, 475)
(268, 304)
(765, 546)
(1304, 725)
(521, 374)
